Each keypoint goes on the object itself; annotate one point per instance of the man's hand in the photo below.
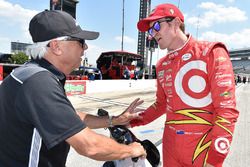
(132, 112)
(138, 150)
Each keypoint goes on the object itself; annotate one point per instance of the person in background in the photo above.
(238, 78)
(104, 72)
(91, 76)
(195, 89)
(114, 69)
(126, 72)
(244, 79)
(38, 123)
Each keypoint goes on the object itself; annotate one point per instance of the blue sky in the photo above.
(227, 21)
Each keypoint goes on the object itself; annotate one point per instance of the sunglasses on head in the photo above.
(157, 25)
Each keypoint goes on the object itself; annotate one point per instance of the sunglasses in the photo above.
(157, 25)
(81, 41)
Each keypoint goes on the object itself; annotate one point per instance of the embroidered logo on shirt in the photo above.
(222, 145)
(186, 57)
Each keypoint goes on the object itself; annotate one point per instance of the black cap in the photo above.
(51, 24)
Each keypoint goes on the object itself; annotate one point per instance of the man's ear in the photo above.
(55, 48)
(177, 23)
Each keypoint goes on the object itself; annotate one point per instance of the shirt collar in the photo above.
(185, 45)
(47, 65)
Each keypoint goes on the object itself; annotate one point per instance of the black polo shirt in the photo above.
(36, 118)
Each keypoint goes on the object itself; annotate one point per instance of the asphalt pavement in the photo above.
(116, 102)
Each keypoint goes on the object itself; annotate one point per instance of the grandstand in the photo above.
(241, 66)
(241, 60)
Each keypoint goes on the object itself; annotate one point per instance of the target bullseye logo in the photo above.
(190, 84)
(222, 145)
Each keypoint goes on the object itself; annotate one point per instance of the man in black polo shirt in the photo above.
(37, 121)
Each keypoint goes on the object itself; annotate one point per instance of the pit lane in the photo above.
(116, 102)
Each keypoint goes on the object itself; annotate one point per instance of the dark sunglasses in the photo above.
(81, 41)
(157, 25)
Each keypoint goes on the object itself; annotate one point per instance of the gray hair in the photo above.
(37, 50)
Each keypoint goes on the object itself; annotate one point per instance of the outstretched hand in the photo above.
(132, 112)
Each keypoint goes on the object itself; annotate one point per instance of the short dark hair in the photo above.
(182, 27)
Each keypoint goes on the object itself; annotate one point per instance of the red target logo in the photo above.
(222, 145)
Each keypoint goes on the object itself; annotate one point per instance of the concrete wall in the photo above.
(98, 86)
(118, 85)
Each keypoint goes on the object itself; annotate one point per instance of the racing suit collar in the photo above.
(186, 44)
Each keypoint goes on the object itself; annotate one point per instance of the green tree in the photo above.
(19, 58)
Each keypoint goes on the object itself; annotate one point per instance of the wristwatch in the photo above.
(110, 121)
